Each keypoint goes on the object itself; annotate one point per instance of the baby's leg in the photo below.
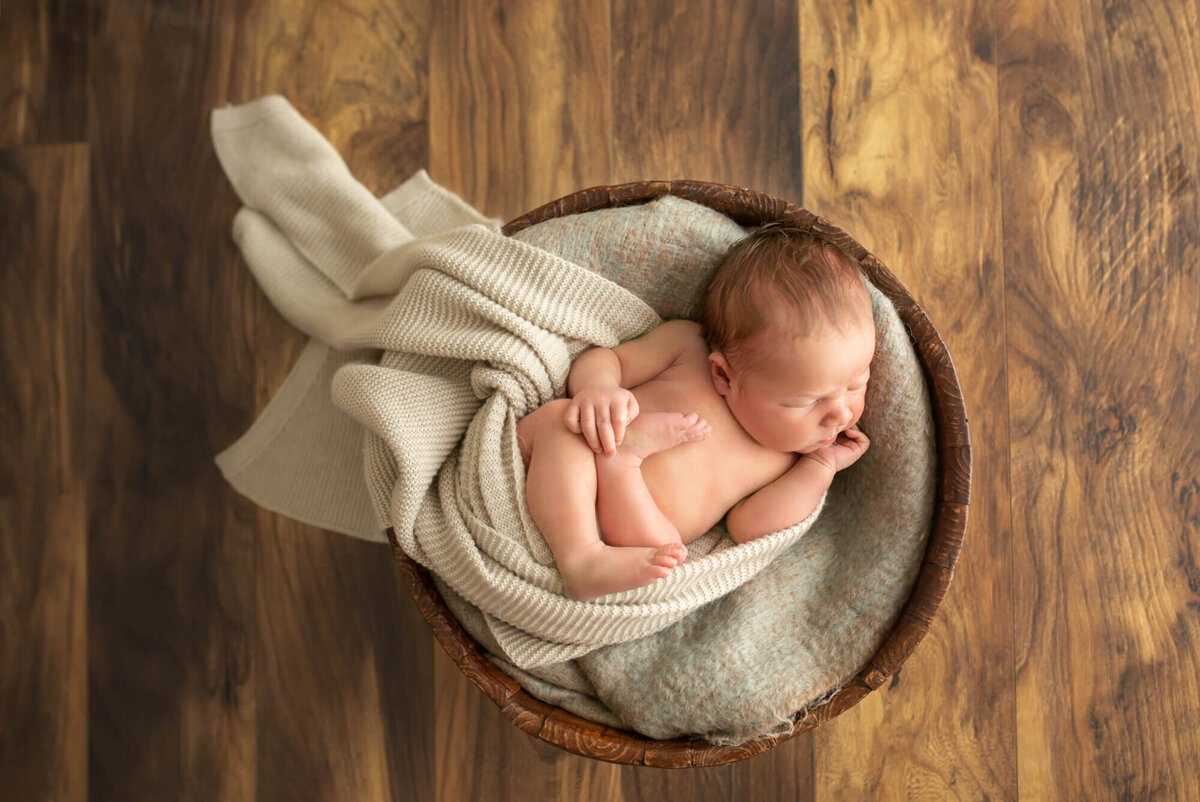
(628, 514)
(560, 488)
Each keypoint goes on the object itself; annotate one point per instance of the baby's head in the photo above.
(791, 336)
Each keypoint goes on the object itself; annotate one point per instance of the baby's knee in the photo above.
(555, 409)
(552, 413)
(548, 416)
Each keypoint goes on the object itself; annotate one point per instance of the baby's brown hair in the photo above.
(815, 280)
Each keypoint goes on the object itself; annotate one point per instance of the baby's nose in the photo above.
(841, 413)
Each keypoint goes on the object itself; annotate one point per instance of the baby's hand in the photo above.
(844, 451)
(601, 414)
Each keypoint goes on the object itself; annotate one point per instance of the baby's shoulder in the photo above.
(680, 327)
(687, 342)
(686, 334)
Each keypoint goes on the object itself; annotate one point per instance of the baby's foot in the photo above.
(611, 569)
(652, 432)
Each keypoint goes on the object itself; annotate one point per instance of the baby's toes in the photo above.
(670, 555)
(662, 561)
(660, 571)
(697, 430)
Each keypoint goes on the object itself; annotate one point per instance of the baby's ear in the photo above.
(722, 374)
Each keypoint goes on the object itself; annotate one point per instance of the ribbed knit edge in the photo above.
(343, 511)
(274, 418)
(231, 118)
(426, 207)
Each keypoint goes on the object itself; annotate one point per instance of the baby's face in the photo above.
(805, 391)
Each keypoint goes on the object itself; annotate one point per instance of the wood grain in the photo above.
(1027, 168)
(707, 91)
(522, 112)
(477, 749)
(345, 692)
(187, 351)
(345, 689)
(170, 551)
(42, 89)
(1099, 118)
(43, 527)
(900, 132)
(358, 70)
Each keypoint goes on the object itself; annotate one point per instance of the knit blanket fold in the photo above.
(457, 332)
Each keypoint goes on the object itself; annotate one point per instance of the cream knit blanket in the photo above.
(455, 334)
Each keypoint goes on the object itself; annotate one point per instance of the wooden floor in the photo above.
(1030, 170)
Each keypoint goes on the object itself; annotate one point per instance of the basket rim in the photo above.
(569, 732)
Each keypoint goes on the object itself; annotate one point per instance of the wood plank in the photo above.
(345, 687)
(707, 91)
(357, 70)
(785, 772)
(1102, 243)
(900, 131)
(345, 692)
(43, 85)
(522, 117)
(43, 527)
(171, 550)
(711, 92)
(522, 113)
(481, 755)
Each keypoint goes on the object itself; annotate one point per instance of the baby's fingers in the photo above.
(618, 431)
(619, 422)
(587, 423)
(571, 419)
(604, 429)
(857, 444)
(859, 437)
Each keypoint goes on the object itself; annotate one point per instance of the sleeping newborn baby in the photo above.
(747, 418)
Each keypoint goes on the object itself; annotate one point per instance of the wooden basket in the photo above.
(582, 737)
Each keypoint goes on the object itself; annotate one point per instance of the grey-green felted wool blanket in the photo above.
(433, 334)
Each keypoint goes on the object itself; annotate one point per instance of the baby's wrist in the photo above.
(595, 386)
(825, 467)
(594, 368)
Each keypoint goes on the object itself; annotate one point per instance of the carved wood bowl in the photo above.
(582, 737)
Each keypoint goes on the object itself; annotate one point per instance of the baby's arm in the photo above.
(793, 496)
(598, 384)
